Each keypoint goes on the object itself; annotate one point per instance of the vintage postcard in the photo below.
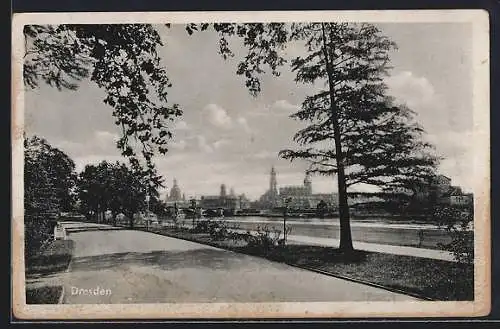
(292, 164)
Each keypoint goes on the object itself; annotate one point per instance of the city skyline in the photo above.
(226, 136)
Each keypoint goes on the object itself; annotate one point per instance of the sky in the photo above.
(226, 136)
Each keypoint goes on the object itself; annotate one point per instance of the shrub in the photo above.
(43, 295)
(38, 231)
(264, 238)
(457, 222)
(201, 227)
(218, 230)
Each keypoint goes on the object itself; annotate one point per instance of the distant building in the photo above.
(270, 199)
(245, 203)
(223, 200)
(175, 192)
(461, 200)
(176, 197)
(437, 191)
(300, 196)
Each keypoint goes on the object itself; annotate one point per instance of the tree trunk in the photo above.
(345, 226)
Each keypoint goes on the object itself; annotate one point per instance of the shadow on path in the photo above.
(166, 260)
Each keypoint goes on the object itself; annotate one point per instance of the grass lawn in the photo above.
(434, 279)
(55, 257)
(43, 295)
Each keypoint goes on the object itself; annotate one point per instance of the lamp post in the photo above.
(147, 211)
(193, 207)
(285, 214)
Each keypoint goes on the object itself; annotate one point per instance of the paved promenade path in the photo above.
(125, 266)
(376, 247)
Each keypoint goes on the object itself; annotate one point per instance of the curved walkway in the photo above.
(125, 266)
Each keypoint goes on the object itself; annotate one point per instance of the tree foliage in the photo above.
(49, 188)
(115, 187)
(380, 140)
(49, 178)
(122, 59)
(458, 224)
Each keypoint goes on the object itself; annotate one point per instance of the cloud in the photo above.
(265, 155)
(82, 161)
(203, 145)
(182, 125)
(244, 124)
(410, 89)
(457, 148)
(105, 137)
(178, 145)
(100, 143)
(217, 116)
(220, 143)
(418, 93)
(276, 109)
(285, 106)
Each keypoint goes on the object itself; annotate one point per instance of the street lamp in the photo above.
(193, 206)
(287, 202)
(147, 211)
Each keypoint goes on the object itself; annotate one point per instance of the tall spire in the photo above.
(308, 183)
(273, 185)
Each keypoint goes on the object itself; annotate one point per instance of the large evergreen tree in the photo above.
(355, 130)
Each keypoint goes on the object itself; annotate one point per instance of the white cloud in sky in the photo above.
(182, 125)
(220, 143)
(218, 116)
(411, 89)
(178, 145)
(451, 142)
(285, 106)
(265, 155)
(244, 124)
(203, 145)
(279, 108)
(82, 161)
(227, 136)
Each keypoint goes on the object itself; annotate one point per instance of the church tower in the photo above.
(308, 184)
(223, 193)
(273, 185)
(175, 192)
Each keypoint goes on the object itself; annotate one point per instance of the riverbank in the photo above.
(374, 231)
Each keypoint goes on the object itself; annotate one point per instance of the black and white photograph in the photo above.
(253, 164)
